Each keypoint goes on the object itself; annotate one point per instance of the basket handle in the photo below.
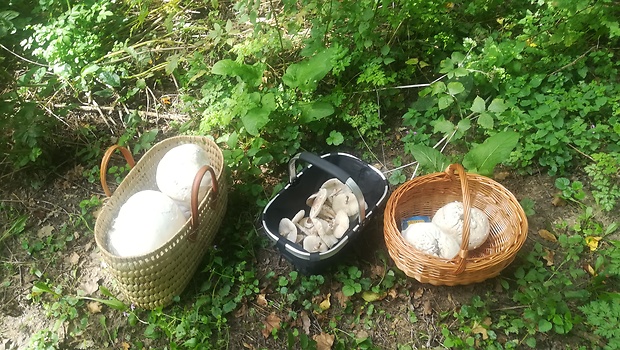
(333, 170)
(194, 198)
(452, 170)
(104, 165)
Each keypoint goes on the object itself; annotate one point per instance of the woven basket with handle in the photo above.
(424, 195)
(154, 279)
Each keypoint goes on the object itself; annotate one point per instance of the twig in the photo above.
(405, 86)
(24, 58)
(574, 62)
(580, 152)
(169, 116)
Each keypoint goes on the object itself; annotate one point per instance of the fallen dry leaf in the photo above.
(45, 231)
(271, 322)
(248, 346)
(342, 299)
(305, 321)
(242, 311)
(546, 235)
(502, 175)
(479, 329)
(323, 341)
(428, 308)
(377, 271)
(549, 255)
(261, 300)
(393, 293)
(94, 307)
(74, 258)
(592, 242)
(558, 202)
(125, 345)
(591, 270)
(418, 293)
(361, 335)
(326, 304)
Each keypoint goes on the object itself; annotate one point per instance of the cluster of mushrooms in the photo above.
(332, 208)
(149, 218)
(442, 236)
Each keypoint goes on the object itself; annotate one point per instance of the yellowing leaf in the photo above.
(372, 296)
(591, 270)
(326, 304)
(479, 329)
(546, 235)
(592, 242)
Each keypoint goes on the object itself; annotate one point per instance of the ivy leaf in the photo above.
(483, 158)
(485, 120)
(497, 106)
(455, 88)
(478, 105)
(429, 158)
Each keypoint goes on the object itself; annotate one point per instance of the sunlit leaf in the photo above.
(430, 158)
(483, 158)
(592, 242)
(478, 105)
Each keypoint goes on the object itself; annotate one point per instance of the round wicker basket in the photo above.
(424, 195)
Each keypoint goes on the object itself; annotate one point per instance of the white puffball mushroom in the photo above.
(145, 222)
(428, 238)
(176, 171)
(449, 218)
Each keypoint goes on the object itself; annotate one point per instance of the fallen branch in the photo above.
(146, 114)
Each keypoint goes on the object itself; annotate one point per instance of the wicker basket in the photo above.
(152, 280)
(424, 195)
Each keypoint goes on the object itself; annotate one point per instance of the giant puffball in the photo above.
(449, 219)
(176, 171)
(145, 222)
(428, 238)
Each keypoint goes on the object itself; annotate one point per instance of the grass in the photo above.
(563, 289)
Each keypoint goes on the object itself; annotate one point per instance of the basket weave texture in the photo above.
(424, 195)
(154, 279)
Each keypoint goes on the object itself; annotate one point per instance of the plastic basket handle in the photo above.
(458, 170)
(194, 198)
(104, 165)
(333, 170)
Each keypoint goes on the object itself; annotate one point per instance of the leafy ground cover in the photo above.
(408, 86)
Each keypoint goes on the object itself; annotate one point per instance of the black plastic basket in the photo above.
(367, 183)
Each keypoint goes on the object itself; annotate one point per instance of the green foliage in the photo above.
(481, 159)
(572, 191)
(605, 179)
(603, 316)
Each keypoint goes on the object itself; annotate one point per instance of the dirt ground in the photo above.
(78, 265)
